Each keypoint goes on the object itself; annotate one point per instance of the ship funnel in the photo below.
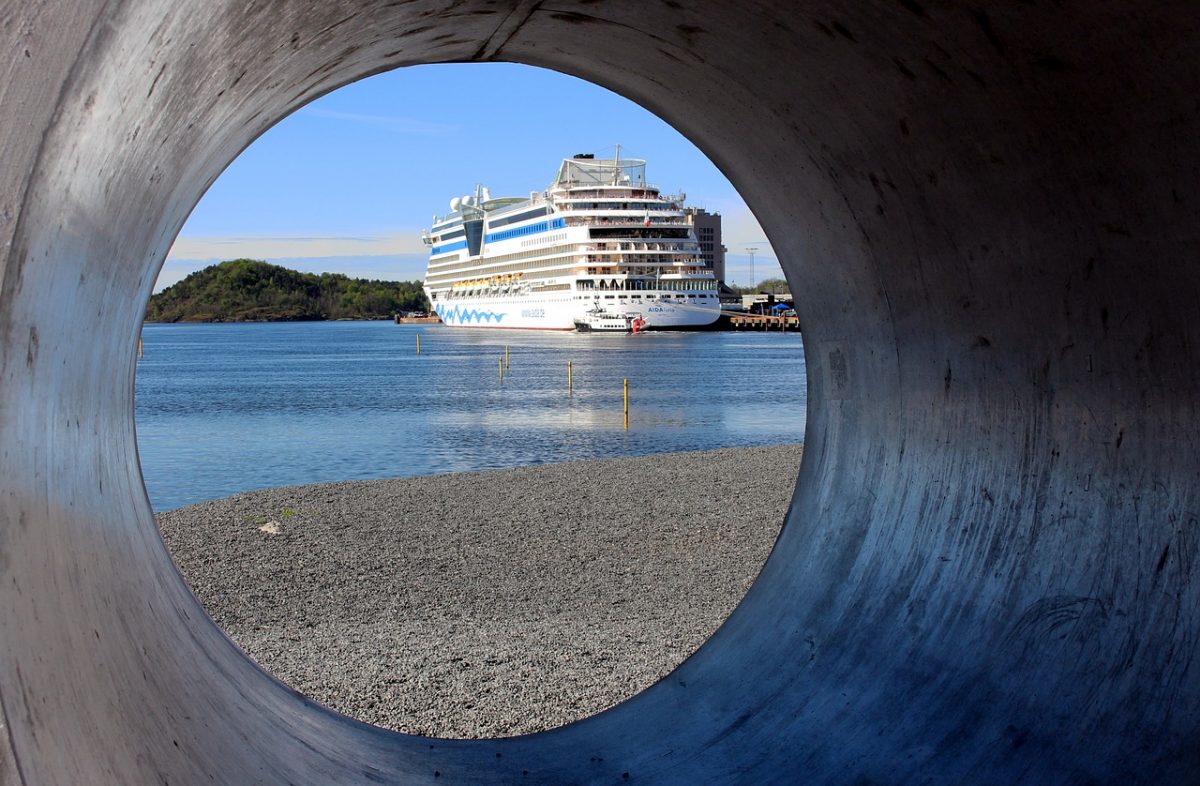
(487, 195)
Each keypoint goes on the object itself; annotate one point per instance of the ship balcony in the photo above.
(576, 190)
(635, 259)
(579, 221)
(633, 210)
(643, 248)
(658, 259)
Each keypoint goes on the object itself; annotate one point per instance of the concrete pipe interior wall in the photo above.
(988, 213)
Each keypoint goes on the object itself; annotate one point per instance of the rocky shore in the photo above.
(487, 604)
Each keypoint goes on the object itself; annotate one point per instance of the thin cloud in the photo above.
(399, 125)
(244, 239)
(295, 246)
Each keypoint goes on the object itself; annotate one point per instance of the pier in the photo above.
(418, 319)
(732, 321)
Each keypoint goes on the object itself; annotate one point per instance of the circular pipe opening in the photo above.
(466, 606)
(985, 575)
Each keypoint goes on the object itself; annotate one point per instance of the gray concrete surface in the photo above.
(988, 215)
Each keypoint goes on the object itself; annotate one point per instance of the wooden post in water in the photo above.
(506, 355)
(501, 369)
(626, 386)
(418, 343)
(140, 353)
(569, 383)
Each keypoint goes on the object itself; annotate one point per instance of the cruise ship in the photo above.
(598, 239)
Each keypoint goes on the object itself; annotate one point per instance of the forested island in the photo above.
(249, 290)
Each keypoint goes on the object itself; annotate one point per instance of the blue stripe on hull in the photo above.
(448, 247)
(532, 229)
(465, 316)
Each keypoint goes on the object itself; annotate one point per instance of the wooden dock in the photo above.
(760, 322)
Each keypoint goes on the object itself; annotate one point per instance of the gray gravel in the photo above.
(487, 604)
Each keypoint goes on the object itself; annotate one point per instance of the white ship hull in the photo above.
(600, 238)
(531, 312)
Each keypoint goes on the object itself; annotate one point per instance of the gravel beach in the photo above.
(487, 604)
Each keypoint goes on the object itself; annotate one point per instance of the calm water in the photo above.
(229, 408)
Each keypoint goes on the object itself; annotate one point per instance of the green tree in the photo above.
(253, 290)
(772, 285)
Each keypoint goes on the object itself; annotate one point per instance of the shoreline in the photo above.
(483, 604)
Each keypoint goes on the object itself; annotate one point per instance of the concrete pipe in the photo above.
(988, 214)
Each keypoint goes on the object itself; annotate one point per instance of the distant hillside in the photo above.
(247, 290)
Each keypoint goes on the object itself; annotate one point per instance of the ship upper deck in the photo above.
(586, 170)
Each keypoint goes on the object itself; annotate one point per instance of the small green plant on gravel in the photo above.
(287, 513)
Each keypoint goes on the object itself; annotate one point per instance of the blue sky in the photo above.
(347, 183)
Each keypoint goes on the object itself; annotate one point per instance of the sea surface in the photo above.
(233, 407)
